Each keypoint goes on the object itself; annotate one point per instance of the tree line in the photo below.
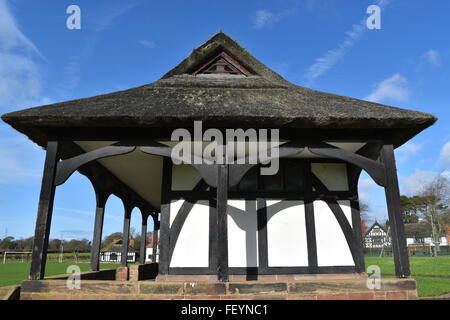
(74, 245)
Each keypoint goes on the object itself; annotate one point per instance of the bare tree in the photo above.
(435, 205)
(364, 211)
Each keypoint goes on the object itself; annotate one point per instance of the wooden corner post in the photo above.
(142, 252)
(164, 246)
(126, 235)
(222, 222)
(44, 214)
(397, 227)
(98, 229)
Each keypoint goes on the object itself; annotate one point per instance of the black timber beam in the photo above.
(44, 214)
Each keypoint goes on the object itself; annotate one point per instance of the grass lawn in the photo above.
(423, 266)
(431, 287)
(12, 273)
(423, 270)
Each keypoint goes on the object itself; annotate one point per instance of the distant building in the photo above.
(447, 233)
(363, 227)
(152, 247)
(420, 234)
(113, 252)
(377, 237)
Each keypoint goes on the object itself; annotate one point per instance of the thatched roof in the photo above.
(261, 100)
(116, 246)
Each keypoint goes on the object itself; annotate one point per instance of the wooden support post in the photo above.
(222, 223)
(44, 214)
(126, 236)
(353, 173)
(356, 223)
(164, 245)
(142, 252)
(98, 229)
(155, 239)
(398, 239)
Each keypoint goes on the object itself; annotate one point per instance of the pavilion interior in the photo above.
(143, 172)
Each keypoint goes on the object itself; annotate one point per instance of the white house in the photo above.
(426, 241)
(149, 253)
(113, 252)
(377, 237)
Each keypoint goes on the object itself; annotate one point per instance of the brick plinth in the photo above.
(122, 274)
(343, 289)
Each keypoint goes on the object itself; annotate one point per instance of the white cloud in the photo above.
(148, 43)
(432, 57)
(324, 63)
(10, 35)
(394, 88)
(329, 59)
(20, 80)
(415, 183)
(86, 213)
(99, 21)
(20, 161)
(445, 155)
(115, 216)
(408, 150)
(365, 188)
(265, 18)
(102, 21)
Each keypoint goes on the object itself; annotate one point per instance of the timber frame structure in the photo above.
(69, 143)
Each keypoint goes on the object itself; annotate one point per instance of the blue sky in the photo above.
(322, 44)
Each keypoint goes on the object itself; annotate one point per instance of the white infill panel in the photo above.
(192, 247)
(332, 247)
(242, 234)
(286, 236)
(332, 175)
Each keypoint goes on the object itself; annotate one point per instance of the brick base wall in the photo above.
(147, 271)
(347, 289)
(10, 293)
(122, 274)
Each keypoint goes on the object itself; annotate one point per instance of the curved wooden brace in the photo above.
(207, 171)
(375, 169)
(67, 167)
(157, 149)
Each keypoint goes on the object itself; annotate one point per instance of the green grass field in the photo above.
(423, 266)
(425, 270)
(13, 273)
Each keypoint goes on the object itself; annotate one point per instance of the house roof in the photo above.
(150, 245)
(116, 246)
(260, 98)
(376, 224)
(420, 229)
